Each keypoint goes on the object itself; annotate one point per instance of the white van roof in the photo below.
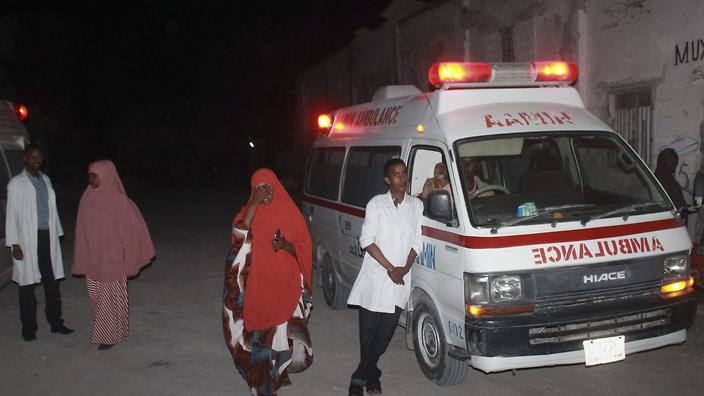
(452, 114)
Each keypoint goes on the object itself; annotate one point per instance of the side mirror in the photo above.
(438, 206)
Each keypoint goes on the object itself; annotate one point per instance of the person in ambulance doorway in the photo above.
(439, 181)
(391, 236)
(32, 230)
(665, 173)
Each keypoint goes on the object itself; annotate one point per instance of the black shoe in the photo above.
(374, 389)
(29, 337)
(104, 347)
(61, 330)
(356, 390)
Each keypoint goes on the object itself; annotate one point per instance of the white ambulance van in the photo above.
(13, 136)
(553, 244)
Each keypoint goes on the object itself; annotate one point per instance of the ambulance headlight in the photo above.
(676, 267)
(499, 289)
(505, 288)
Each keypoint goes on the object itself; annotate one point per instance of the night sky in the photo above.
(178, 81)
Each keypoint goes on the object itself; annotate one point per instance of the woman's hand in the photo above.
(279, 242)
(262, 193)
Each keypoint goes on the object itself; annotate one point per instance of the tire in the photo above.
(430, 347)
(332, 290)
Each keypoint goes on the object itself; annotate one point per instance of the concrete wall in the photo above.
(636, 43)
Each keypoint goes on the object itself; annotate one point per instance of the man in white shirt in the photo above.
(391, 236)
(32, 231)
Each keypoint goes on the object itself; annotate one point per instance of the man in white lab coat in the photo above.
(32, 231)
(391, 236)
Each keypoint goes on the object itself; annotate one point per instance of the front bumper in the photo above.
(553, 335)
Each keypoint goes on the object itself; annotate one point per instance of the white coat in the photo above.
(21, 229)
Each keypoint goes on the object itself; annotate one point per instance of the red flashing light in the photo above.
(555, 71)
(22, 112)
(459, 72)
(324, 121)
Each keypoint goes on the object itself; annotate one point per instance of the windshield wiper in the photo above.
(623, 209)
(539, 213)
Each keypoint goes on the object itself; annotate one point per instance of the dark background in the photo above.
(171, 92)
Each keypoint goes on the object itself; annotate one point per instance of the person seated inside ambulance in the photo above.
(472, 182)
(439, 181)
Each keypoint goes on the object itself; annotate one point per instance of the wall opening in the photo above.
(631, 115)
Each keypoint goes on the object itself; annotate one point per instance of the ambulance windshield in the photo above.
(541, 178)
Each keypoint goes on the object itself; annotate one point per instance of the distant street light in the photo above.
(251, 143)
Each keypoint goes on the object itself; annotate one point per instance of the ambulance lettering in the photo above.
(426, 258)
(571, 252)
(356, 249)
(372, 117)
(455, 329)
(527, 119)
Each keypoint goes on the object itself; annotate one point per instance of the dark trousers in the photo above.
(28, 303)
(375, 332)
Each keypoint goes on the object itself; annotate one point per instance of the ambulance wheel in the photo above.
(332, 290)
(430, 347)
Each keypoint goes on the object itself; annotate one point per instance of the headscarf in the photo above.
(274, 280)
(112, 240)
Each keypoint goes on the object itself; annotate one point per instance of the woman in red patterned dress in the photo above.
(267, 295)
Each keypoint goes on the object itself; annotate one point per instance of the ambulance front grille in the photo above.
(602, 295)
(621, 325)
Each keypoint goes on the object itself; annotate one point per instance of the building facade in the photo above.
(641, 61)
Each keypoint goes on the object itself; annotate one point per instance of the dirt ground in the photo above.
(176, 345)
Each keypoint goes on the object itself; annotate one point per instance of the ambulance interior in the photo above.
(563, 176)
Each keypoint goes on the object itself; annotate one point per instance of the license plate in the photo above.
(604, 350)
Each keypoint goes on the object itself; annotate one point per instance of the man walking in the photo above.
(32, 229)
(391, 236)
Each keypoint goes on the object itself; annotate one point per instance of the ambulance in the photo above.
(550, 243)
(13, 136)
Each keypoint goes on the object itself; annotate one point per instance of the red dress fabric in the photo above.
(112, 240)
(274, 282)
(110, 304)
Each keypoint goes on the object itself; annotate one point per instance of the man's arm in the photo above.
(395, 273)
(398, 274)
(11, 220)
(367, 239)
(417, 243)
(375, 252)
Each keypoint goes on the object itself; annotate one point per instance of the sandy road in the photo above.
(176, 345)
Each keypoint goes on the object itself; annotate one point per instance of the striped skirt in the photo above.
(263, 357)
(110, 305)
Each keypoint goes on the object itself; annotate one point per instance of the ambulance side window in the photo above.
(364, 173)
(324, 172)
(428, 172)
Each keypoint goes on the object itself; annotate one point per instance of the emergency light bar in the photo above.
(473, 74)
